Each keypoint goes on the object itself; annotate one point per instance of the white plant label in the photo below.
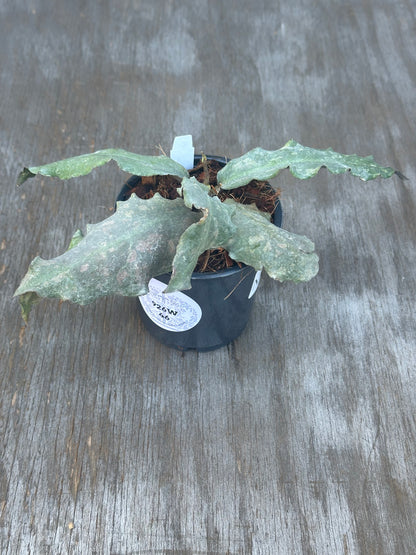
(172, 312)
(256, 282)
(183, 151)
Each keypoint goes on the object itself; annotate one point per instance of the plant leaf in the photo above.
(259, 243)
(213, 229)
(76, 238)
(128, 161)
(303, 162)
(117, 256)
(246, 233)
(27, 302)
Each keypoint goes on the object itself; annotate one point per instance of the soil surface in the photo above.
(260, 193)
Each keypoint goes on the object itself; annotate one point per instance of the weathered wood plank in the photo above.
(300, 436)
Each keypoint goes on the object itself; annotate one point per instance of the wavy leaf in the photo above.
(246, 233)
(258, 243)
(213, 229)
(303, 162)
(128, 161)
(117, 256)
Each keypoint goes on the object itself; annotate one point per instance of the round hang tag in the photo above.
(173, 311)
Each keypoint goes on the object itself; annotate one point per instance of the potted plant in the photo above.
(148, 238)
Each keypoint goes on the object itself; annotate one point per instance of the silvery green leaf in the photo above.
(260, 244)
(303, 162)
(76, 238)
(246, 233)
(128, 161)
(213, 229)
(117, 256)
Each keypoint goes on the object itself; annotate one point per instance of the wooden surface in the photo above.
(300, 437)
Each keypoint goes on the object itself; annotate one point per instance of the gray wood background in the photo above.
(300, 437)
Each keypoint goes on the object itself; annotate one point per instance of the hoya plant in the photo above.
(147, 238)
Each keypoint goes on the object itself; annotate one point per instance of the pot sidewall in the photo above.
(223, 300)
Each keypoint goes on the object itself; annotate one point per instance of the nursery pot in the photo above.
(212, 313)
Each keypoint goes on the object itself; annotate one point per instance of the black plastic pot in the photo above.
(212, 313)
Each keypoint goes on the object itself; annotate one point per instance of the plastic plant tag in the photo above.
(256, 282)
(172, 311)
(183, 151)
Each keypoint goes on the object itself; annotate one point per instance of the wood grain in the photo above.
(300, 437)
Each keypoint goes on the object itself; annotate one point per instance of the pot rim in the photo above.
(221, 159)
(224, 272)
